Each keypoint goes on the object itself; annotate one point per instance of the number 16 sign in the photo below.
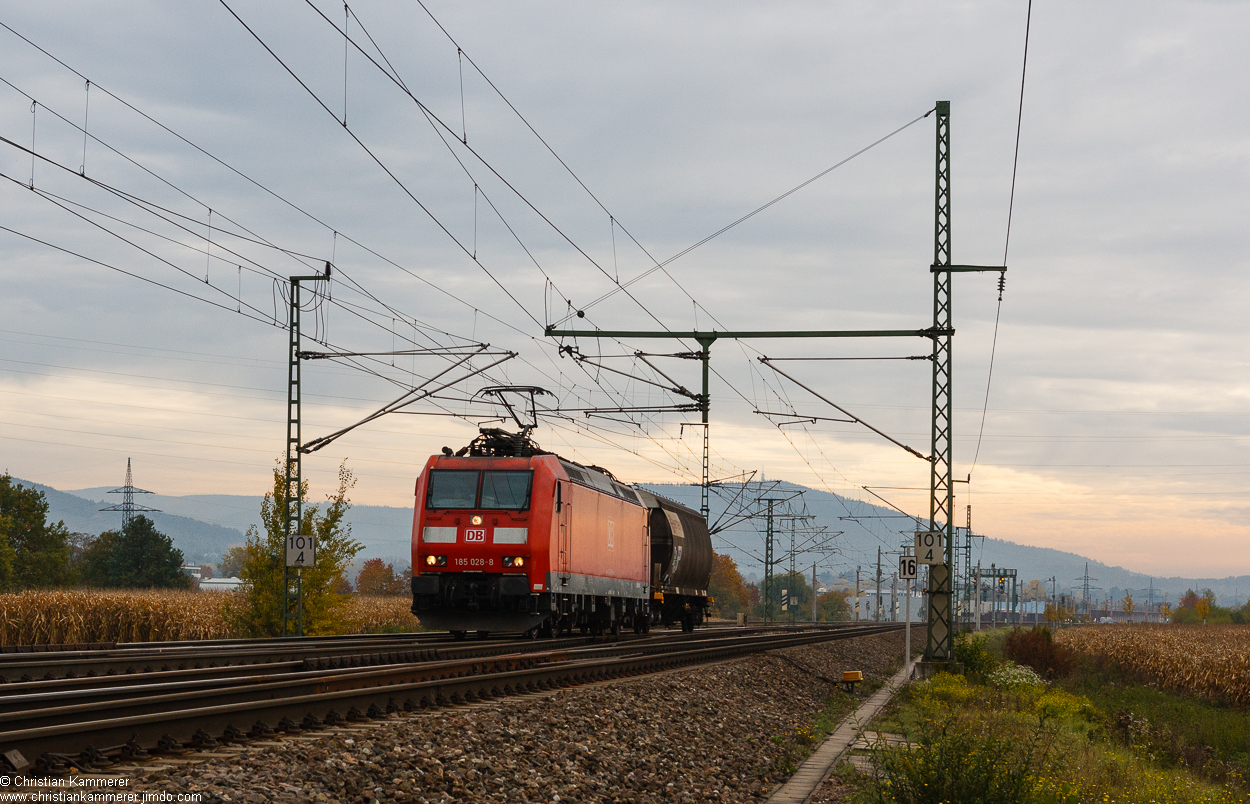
(930, 548)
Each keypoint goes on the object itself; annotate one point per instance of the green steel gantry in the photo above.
(300, 551)
(941, 497)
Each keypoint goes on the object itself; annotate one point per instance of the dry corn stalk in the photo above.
(1208, 660)
(67, 616)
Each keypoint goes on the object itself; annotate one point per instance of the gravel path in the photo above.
(720, 733)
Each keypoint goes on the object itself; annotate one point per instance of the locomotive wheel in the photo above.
(457, 635)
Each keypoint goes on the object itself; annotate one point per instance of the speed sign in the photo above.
(907, 568)
(930, 548)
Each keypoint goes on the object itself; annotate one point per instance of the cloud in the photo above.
(1119, 339)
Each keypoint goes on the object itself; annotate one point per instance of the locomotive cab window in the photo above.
(506, 490)
(452, 489)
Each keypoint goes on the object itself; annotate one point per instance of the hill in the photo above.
(203, 526)
(866, 527)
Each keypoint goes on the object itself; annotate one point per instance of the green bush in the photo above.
(972, 652)
(958, 761)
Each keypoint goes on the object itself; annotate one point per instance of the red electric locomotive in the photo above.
(510, 538)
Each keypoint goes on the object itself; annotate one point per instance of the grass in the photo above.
(1094, 736)
(1172, 730)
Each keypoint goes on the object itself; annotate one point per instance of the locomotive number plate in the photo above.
(475, 535)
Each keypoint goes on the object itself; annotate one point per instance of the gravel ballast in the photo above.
(717, 733)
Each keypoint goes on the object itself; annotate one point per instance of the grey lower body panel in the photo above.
(573, 584)
(505, 622)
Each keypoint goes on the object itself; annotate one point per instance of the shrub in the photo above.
(1015, 677)
(260, 612)
(972, 651)
(1036, 648)
(961, 761)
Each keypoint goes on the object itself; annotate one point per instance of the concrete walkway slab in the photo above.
(816, 768)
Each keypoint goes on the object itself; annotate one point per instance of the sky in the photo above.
(504, 165)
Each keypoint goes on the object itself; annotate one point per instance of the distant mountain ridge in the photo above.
(858, 544)
(204, 526)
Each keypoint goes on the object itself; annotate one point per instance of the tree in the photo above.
(263, 570)
(1189, 600)
(78, 544)
(832, 607)
(38, 552)
(231, 563)
(403, 584)
(136, 557)
(797, 589)
(7, 555)
(753, 594)
(376, 578)
(1165, 611)
(726, 587)
(1128, 606)
(1203, 608)
(1034, 592)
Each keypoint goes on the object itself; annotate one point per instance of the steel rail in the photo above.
(207, 657)
(29, 698)
(119, 732)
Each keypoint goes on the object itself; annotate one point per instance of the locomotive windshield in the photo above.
(499, 490)
(450, 489)
(506, 490)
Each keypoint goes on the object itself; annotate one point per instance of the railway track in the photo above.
(35, 664)
(91, 723)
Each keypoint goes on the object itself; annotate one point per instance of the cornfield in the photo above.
(372, 613)
(59, 617)
(67, 616)
(1208, 660)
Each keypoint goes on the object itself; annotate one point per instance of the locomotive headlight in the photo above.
(513, 561)
(431, 560)
(476, 520)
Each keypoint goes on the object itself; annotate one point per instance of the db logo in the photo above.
(475, 535)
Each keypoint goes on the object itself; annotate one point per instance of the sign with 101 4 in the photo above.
(930, 548)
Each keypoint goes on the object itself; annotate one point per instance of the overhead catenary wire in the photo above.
(756, 211)
(1011, 205)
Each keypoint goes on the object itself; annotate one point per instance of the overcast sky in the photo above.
(1116, 423)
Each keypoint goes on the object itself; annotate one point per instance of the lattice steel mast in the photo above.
(127, 506)
(301, 549)
(941, 484)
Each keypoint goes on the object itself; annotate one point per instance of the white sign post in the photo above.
(930, 548)
(907, 571)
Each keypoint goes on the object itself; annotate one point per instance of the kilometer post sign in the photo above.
(930, 548)
(301, 549)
